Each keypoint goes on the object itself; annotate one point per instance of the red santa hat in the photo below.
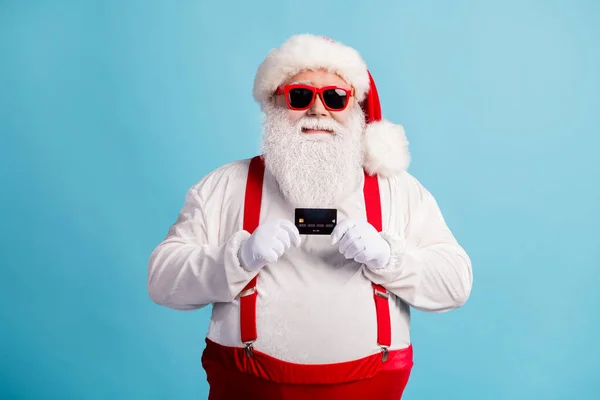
(386, 146)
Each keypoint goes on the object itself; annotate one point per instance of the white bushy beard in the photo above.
(313, 170)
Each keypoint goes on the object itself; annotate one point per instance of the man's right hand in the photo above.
(268, 242)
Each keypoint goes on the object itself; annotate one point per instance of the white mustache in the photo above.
(319, 124)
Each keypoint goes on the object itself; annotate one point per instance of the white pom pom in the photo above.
(386, 149)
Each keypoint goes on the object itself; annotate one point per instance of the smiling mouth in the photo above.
(312, 131)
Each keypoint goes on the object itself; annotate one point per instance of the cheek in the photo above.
(342, 117)
(294, 116)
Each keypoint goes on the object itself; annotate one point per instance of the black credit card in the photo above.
(315, 221)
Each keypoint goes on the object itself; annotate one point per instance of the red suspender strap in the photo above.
(373, 208)
(248, 296)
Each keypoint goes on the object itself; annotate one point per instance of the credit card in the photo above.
(315, 221)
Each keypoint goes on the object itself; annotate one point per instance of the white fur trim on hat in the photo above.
(306, 51)
(386, 149)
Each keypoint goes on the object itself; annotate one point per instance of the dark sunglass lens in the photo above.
(335, 98)
(300, 98)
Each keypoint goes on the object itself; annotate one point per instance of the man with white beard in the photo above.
(312, 316)
(312, 168)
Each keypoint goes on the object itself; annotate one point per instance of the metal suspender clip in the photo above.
(384, 349)
(248, 292)
(379, 293)
(249, 348)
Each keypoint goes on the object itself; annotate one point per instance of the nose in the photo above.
(317, 109)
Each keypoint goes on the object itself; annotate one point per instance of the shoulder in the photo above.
(226, 181)
(405, 185)
(228, 175)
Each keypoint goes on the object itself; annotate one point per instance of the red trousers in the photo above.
(234, 376)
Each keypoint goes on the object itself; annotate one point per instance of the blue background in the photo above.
(111, 110)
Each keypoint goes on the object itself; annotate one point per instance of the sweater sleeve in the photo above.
(189, 268)
(428, 269)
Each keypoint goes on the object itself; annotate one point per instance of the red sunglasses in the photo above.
(301, 97)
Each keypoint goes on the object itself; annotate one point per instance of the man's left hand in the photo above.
(360, 241)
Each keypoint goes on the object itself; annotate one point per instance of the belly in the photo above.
(313, 309)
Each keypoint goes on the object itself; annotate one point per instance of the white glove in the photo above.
(268, 242)
(361, 241)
